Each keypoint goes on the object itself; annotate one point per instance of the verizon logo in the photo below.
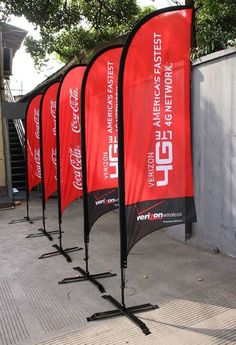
(106, 201)
(103, 200)
(145, 215)
(150, 216)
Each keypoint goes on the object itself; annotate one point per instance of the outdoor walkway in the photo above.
(195, 290)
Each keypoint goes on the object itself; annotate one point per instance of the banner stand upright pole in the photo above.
(141, 77)
(27, 203)
(42, 231)
(85, 275)
(27, 217)
(121, 308)
(122, 287)
(59, 248)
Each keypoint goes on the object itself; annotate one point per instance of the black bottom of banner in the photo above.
(128, 312)
(60, 251)
(100, 202)
(26, 219)
(43, 232)
(90, 277)
(145, 217)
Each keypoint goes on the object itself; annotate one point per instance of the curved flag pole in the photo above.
(43, 231)
(60, 250)
(130, 234)
(89, 219)
(27, 218)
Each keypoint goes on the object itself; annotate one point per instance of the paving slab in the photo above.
(194, 289)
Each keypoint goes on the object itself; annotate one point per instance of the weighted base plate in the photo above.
(60, 251)
(43, 232)
(128, 312)
(90, 277)
(26, 219)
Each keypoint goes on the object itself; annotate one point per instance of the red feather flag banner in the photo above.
(155, 166)
(100, 128)
(154, 152)
(69, 137)
(48, 145)
(66, 111)
(33, 143)
(99, 142)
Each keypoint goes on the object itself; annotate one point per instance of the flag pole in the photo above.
(85, 274)
(27, 217)
(60, 250)
(42, 231)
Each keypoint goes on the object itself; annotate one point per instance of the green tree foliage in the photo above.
(73, 28)
(215, 26)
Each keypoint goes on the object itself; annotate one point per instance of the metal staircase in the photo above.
(16, 134)
(17, 158)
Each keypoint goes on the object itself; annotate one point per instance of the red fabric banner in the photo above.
(49, 145)
(100, 92)
(155, 106)
(70, 136)
(33, 142)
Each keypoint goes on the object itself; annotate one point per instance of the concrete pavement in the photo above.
(195, 290)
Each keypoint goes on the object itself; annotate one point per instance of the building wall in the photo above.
(214, 151)
(2, 163)
(2, 160)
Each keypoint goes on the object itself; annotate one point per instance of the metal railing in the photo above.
(20, 129)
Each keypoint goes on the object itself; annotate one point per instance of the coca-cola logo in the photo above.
(54, 159)
(36, 120)
(37, 161)
(76, 163)
(54, 156)
(74, 104)
(53, 111)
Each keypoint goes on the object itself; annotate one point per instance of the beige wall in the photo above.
(214, 151)
(2, 162)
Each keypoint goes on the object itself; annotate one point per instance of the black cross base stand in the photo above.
(128, 312)
(87, 276)
(60, 251)
(26, 219)
(43, 232)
